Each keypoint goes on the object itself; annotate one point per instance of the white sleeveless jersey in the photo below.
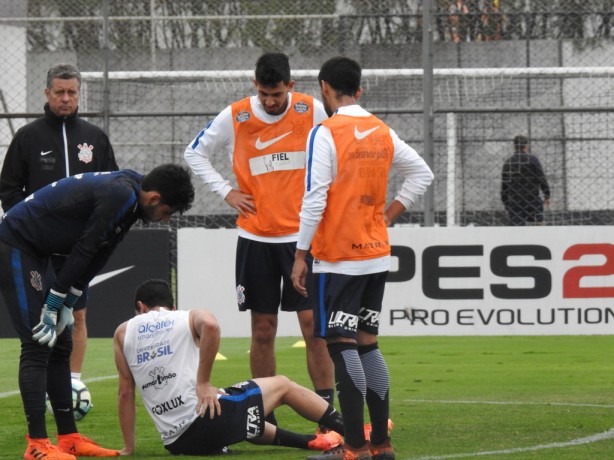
(163, 358)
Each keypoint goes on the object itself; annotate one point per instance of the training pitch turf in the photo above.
(451, 397)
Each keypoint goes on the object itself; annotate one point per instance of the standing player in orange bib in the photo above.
(264, 137)
(343, 220)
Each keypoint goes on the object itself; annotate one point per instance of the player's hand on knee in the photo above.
(44, 332)
(208, 400)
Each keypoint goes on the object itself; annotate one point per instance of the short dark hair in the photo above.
(64, 72)
(272, 68)
(520, 141)
(342, 74)
(174, 185)
(154, 293)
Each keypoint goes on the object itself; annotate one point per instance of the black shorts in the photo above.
(263, 272)
(347, 303)
(242, 419)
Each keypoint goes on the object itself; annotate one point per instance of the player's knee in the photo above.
(283, 382)
(263, 336)
(305, 319)
(316, 345)
(263, 332)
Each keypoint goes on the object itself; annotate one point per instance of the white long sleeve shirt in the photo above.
(321, 172)
(218, 137)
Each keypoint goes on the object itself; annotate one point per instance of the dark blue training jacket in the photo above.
(83, 216)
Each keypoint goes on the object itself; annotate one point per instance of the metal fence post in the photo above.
(105, 82)
(427, 91)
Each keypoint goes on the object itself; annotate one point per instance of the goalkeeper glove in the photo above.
(66, 317)
(44, 332)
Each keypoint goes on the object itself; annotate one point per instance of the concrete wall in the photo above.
(483, 140)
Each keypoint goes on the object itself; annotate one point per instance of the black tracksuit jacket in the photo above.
(40, 151)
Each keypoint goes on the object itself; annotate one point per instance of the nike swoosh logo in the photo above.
(45, 153)
(263, 145)
(360, 135)
(105, 276)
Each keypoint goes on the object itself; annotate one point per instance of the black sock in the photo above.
(59, 387)
(351, 390)
(327, 395)
(36, 424)
(287, 438)
(333, 420)
(378, 391)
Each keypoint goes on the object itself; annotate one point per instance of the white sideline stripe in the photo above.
(100, 379)
(6, 394)
(510, 403)
(574, 442)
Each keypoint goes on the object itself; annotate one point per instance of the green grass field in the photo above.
(452, 397)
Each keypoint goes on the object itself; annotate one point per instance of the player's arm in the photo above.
(299, 272)
(320, 173)
(218, 136)
(96, 264)
(242, 202)
(206, 333)
(418, 176)
(126, 408)
(393, 211)
(89, 255)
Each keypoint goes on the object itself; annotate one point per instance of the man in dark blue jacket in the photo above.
(57, 145)
(82, 217)
(522, 183)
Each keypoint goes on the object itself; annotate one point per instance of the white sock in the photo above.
(75, 375)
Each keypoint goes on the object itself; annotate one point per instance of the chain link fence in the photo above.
(156, 71)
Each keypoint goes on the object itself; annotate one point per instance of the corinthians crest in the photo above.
(36, 280)
(85, 152)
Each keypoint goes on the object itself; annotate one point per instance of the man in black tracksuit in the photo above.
(522, 183)
(83, 218)
(57, 145)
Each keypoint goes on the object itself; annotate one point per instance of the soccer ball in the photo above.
(81, 400)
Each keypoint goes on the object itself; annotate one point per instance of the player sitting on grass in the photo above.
(162, 348)
(83, 217)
